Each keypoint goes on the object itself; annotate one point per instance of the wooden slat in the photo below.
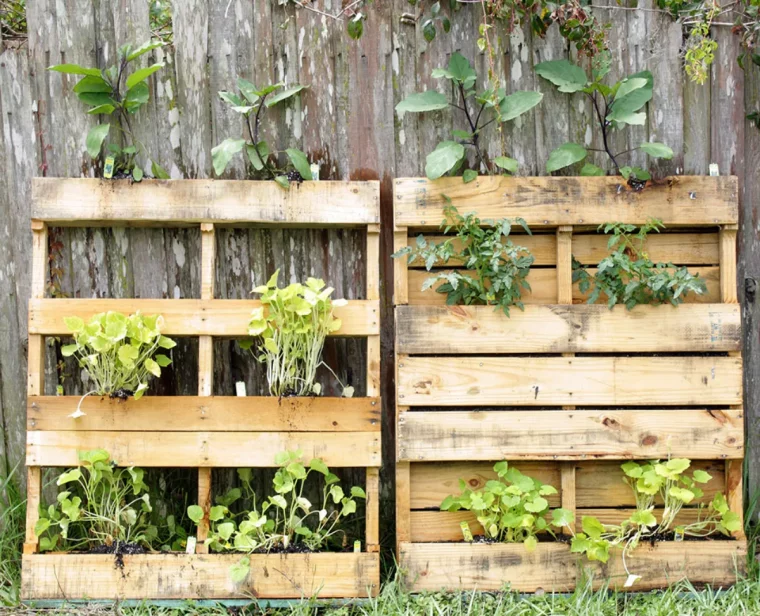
(550, 381)
(728, 264)
(581, 328)
(372, 518)
(597, 483)
(207, 449)
(439, 436)
(488, 567)
(373, 294)
(678, 248)
(553, 201)
(204, 501)
(403, 504)
(564, 264)
(190, 317)
(543, 282)
(543, 247)
(427, 525)
(400, 269)
(206, 414)
(735, 490)
(33, 496)
(567, 492)
(199, 576)
(552, 567)
(87, 202)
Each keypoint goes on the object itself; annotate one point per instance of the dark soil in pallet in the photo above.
(293, 548)
(121, 394)
(671, 536)
(119, 549)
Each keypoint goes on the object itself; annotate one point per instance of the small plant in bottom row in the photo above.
(285, 521)
(293, 323)
(119, 353)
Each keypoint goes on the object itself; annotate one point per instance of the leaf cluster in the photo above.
(480, 108)
(512, 508)
(628, 276)
(101, 505)
(292, 324)
(649, 481)
(284, 519)
(118, 351)
(614, 107)
(116, 93)
(496, 268)
(249, 102)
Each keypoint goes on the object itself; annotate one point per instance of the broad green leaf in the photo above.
(592, 170)
(469, 175)
(73, 475)
(163, 360)
(284, 95)
(217, 512)
(257, 155)
(225, 530)
(461, 71)
(419, 102)
(92, 83)
(67, 350)
(506, 163)
(428, 30)
(95, 99)
(629, 85)
(562, 517)
(158, 171)
(530, 543)
(564, 156)
(731, 521)
(152, 367)
(657, 150)
(355, 26)
(142, 74)
(518, 103)
(143, 49)
(232, 98)
(358, 492)
(41, 526)
(300, 162)
(318, 465)
(95, 139)
(223, 153)
(106, 109)
(137, 95)
(75, 69)
(137, 173)
(166, 343)
(283, 181)
(624, 107)
(564, 74)
(701, 476)
(195, 513)
(592, 527)
(239, 571)
(443, 159)
(248, 90)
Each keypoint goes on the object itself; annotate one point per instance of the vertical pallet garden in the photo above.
(206, 431)
(566, 390)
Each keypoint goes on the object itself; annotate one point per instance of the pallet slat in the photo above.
(205, 414)
(204, 449)
(437, 436)
(201, 576)
(556, 381)
(190, 317)
(553, 201)
(87, 202)
(697, 328)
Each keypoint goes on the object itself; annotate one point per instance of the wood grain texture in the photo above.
(77, 202)
(204, 449)
(190, 317)
(438, 436)
(206, 414)
(582, 328)
(555, 381)
(553, 201)
(201, 576)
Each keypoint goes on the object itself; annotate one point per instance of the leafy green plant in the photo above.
(292, 324)
(250, 103)
(102, 505)
(668, 481)
(13, 19)
(512, 508)
(114, 93)
(614, 107)
(498, 267)
(480, 110)
(628, 276)
(284, 520)
(118, 352)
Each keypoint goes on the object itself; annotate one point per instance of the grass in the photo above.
(12, 518)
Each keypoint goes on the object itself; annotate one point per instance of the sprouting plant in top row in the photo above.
(119, 94)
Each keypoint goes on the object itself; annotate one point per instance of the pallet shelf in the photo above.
(203, 431)
(564, 389)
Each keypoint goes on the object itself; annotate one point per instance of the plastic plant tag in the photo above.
(108, 168)
(240, 389)
(191, 541)
(357, 546)
(314, 171)
(466, 532)
(679, 534)
(59, 390)
(632, 579)
(714, 170)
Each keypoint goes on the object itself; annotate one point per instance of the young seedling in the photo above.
(118, 94)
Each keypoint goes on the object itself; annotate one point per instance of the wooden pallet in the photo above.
(475, 387)
(203, 431)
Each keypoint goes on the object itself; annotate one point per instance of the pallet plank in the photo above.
(190, 317)
(438, 436)
(430, 330)
(204, 449)
(553, 201)
(550, 381)
(87, 202)
(206, 414)
(201, 576)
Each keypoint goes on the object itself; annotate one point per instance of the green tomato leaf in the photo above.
(564, 74)
(95, 139)
(419, 102)
(443, 159)
(300, 162)
(564, 156)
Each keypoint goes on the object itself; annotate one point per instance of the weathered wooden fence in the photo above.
(346, 122)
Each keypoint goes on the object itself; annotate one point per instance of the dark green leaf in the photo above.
(564, 156)
(106, 109)
(592, 170)
(518, 103)
(284, 95)
(355, 27)
(91, 83)
(143, 49)
(564, 74)
(428, 30)
(282, 180)
(223, 153)
(300, 162)
(161, 174)
(142, 74)
(95, 139)
(657, 150)
(419, 102)
(137, 95)
(75, 69)
(506, 163)
(248, 90)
